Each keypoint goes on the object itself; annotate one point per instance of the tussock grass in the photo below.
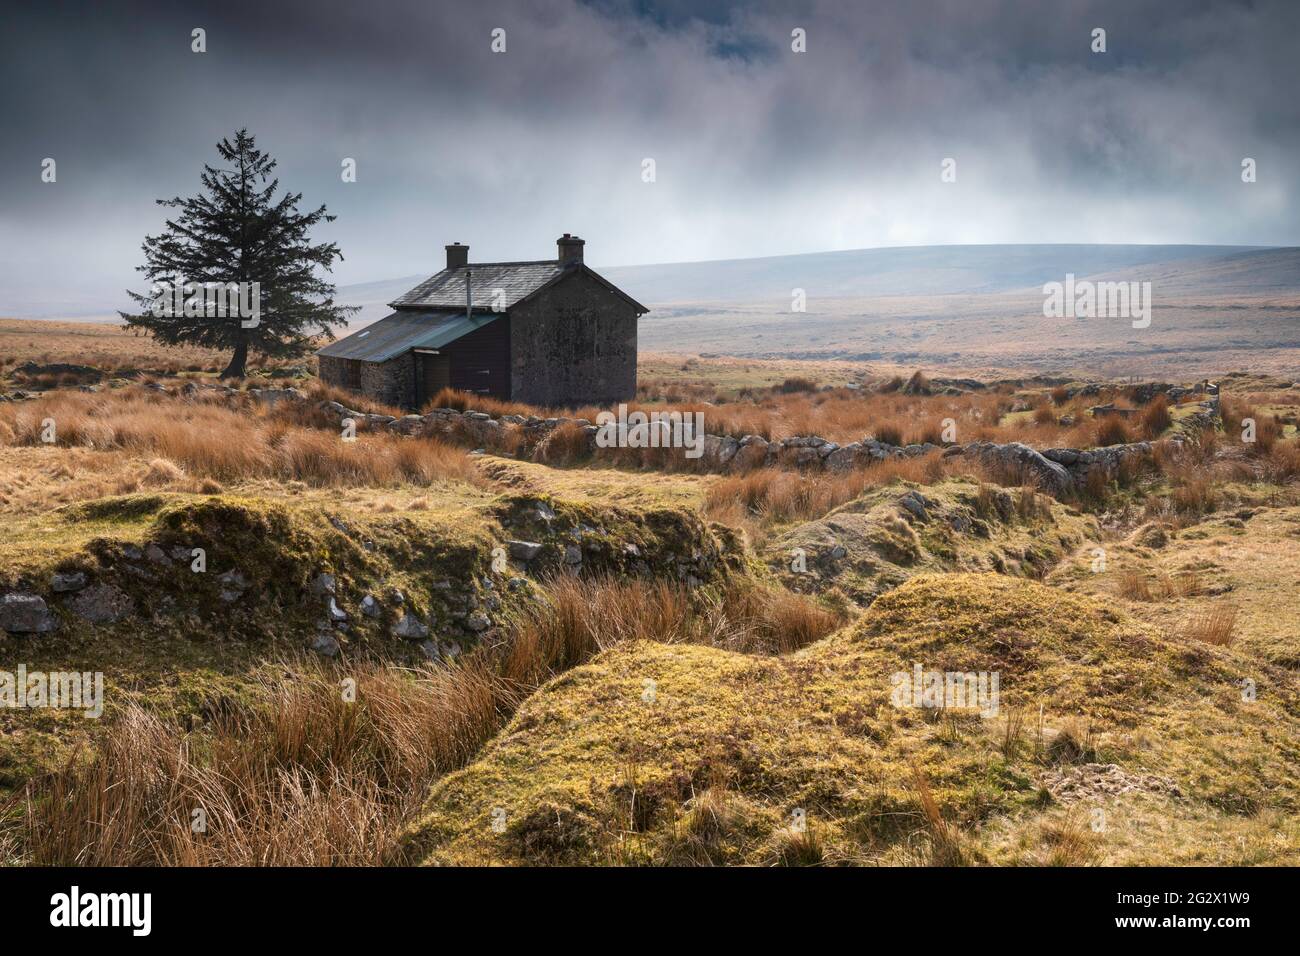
(1069, 841)
(1134, 586)
(1111, 430)
(1155, 418)
(1075, 742)
(769, 495)
(945, 840)
(469, 401)
(300, 778)
(1214, 625)
(565, 445)
(799, 847)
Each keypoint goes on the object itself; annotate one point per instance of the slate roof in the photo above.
(433, 313)
(517, 280)
(446, 290)
(396, 333)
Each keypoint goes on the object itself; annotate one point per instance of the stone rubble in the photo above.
(1093, 781)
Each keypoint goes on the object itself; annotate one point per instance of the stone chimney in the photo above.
(569, 249)
(457, 256)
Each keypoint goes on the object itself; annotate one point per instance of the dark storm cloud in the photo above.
(758, 150)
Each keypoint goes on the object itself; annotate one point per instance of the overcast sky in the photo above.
(758, 150)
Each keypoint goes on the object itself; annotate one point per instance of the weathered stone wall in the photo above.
(574, 344)
(391, 382)
(336, 588)
(334, 371)
(1058, 471)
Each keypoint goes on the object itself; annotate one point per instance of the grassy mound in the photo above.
(676, 754)
(885, 537)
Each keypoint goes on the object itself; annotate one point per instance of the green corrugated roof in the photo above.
(403, 331)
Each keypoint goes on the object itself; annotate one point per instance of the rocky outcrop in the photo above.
(87, 373)
(26, 614)
(101, 604)
(1022, 463)
(1109, 461)
(876, 542)
(410, 628)
(67, 582)
(1110, 409)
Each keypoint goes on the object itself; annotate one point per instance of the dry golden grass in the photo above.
(840, 415)
(1111, 430)
(1268, 429)
(1074, 742)
(768, 496)
(210, 439)
(468, 401)
(37, 479)
(799, 848)
(945, 839)
(1134, 586)
(106, 346)
(303, 778)
(319, 391)
(1070, 841)
(565, 445)
(1283, 462)
(303, 775)
(1195, 496)
(700, 836)
(1213, 625)
(1155, 418)
(1255, 567)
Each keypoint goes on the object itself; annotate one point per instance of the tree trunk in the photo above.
(236, 367)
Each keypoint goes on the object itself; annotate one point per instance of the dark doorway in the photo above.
(432, 375)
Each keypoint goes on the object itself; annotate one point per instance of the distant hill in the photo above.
(1242, 272)
(924, 271)
(939, 270)
(1215, 308)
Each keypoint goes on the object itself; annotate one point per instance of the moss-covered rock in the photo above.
(883, 538)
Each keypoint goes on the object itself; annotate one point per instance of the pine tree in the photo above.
(236, 231)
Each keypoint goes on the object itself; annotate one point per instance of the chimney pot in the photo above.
(457, 256)
(569, 249)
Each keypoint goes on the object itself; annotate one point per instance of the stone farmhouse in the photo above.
(550, 332)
